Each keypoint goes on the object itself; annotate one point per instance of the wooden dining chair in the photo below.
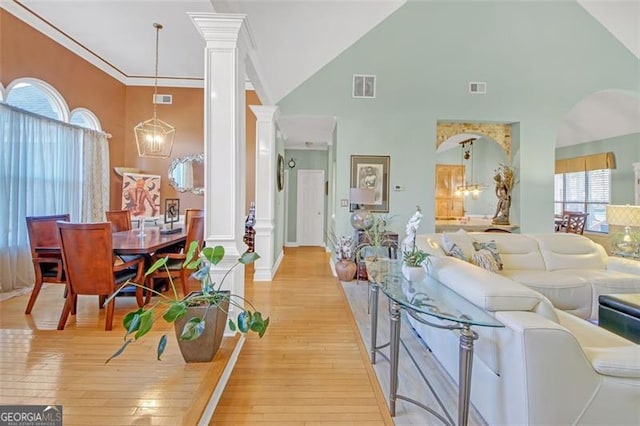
(574, 222)
(120, 220)
(188, 214)
(174, 264)
(87, 253)
(43, 232)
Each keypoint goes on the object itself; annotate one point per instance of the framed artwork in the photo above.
(141, 194)
(372, 172)
(171, 210)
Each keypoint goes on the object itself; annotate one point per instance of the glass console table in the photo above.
(420, 300)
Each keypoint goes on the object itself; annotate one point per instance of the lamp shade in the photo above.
(364, 196)
(623, 215)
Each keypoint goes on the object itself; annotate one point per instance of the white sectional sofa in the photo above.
(546, 366)
(569, 269)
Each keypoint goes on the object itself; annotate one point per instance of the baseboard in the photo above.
(332, 265)
(291, 244)
(267, 274)
(224, 378)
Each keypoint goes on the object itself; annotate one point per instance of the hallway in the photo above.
(311, 366)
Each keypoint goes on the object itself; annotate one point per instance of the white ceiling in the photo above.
(294, 39)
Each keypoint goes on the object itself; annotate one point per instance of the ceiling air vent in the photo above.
(478, 87)
(163, 99)
(364, 86)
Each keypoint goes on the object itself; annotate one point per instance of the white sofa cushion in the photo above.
(517, 251)
(430, 243)
(621, 361)
(570, 251)
(487, 289)
(567, 291)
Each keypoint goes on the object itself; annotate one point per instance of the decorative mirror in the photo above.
(186, 174)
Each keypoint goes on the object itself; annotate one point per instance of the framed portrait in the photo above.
(372, 172)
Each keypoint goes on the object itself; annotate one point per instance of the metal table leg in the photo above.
(394, 352)
(373, 301)
(464, 373)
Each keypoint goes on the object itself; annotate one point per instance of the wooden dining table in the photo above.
(131, 242)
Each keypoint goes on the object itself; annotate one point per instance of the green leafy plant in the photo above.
(170, 308)
(377, 237)
(414, 257)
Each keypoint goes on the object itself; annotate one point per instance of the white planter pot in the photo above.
(414, 273)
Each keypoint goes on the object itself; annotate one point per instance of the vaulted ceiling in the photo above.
(294, 38)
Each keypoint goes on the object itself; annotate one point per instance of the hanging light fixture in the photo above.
(154, 137)
(469, 187)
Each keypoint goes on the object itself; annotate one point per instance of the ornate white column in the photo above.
(265, 190)
(228, 40)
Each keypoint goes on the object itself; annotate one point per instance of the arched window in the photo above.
(85, 118)
(1, 93)
(38, 97)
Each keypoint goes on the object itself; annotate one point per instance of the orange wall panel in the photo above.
(25, 52)
(186, 115)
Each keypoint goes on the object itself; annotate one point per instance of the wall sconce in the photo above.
(624, 243)
(292, 163)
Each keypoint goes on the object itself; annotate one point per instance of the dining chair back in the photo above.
(188, 214)
(120, 220)
(574, 222)
(175, 268)
(87, 252)
(43, 232)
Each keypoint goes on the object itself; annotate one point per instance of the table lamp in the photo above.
(361, 218)
(624, 243)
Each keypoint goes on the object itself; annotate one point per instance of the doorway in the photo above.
(310, 208)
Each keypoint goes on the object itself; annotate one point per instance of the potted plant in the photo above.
(413, 258)
(200, 317)
(413, 264)
(376, 250)
(345, 266)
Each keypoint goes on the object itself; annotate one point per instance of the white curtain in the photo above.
(44, 170)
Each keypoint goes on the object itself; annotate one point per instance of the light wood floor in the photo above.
(310, 368)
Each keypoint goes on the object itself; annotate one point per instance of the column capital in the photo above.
(226, 30)
(266, 113)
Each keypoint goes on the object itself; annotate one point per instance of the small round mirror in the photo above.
(186, 174)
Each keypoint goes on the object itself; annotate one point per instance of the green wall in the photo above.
(626, 150)
(538, 59)
(305, 160)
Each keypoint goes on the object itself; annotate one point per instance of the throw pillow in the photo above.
(460, 239)
(484, 259)
(492, 247)
(452, 249)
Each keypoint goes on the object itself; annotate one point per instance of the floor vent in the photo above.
(364, 86)
(163, 99)
(477, 87)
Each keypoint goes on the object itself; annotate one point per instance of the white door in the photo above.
(310, 208)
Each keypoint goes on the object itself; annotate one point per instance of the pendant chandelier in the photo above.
(469, 187)
(154, 137)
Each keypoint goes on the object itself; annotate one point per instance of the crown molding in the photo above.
(32, 19)
(23, 13)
